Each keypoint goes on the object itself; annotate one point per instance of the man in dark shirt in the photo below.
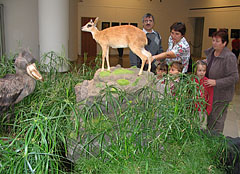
(154, 43)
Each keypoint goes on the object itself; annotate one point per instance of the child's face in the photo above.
(173, 70)
(160, 73)
(201, 71)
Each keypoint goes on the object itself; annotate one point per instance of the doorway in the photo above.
(198, 37)
(88, 44)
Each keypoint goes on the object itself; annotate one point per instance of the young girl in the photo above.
(162, 68)
(205, 92)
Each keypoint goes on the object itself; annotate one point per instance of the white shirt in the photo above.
(181, 50)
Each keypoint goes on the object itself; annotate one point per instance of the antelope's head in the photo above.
(90, 25)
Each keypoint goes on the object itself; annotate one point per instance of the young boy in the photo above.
(162, 68)
(175, 69)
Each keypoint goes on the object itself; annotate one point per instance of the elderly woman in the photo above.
(222, 72)
(178, 47)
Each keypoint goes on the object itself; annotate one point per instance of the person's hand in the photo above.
(210, 82)
(151, 59)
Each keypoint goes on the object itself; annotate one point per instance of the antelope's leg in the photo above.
(141, 70)
(141, 53)
(107, 59)
(104, 52)
(149, 63)
(149, 58)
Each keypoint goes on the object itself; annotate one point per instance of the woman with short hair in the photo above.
(178, 47)
(222, 74)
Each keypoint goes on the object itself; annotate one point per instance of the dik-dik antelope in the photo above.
(120, 37)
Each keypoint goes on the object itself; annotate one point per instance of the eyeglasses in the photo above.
(146, 21)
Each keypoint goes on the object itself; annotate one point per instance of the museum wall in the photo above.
(21, 25)
(73, 30)
(165, 13)
(21, 19)
(216, 17)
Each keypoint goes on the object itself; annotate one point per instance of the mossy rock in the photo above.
(136, 81)
(134, 66)
(99, 85)
(122, 71)
(98, 124)
(123, 82)
(113, 89)
(73, 135)
(80, 83)
(104, 73)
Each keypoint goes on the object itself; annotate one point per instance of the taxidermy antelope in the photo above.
(120, 37)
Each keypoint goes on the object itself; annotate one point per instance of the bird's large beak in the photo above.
(33, 72)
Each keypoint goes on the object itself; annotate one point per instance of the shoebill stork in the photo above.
(14, 87)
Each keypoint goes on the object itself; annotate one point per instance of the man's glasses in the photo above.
(148, 21)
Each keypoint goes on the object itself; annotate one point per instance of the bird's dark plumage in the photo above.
(11, 88)
(14, 87)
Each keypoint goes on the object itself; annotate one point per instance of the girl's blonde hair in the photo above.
(199, 62)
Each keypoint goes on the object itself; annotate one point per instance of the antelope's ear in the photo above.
(95, 21)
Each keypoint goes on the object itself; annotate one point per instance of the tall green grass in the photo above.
(6, 65)
(143, 132)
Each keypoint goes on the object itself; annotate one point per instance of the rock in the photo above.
(126, 79)
(90, 91)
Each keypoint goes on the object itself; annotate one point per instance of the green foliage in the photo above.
(122, 71)
(123, 82)
(54, 62)
(147, 132)
(38, 131)
(133, 66)
(195, 157)
(87, 72)
(42, 120)
(104, 73)
(7, 65)
(136, 81)
(100, 85)
(142, 132)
